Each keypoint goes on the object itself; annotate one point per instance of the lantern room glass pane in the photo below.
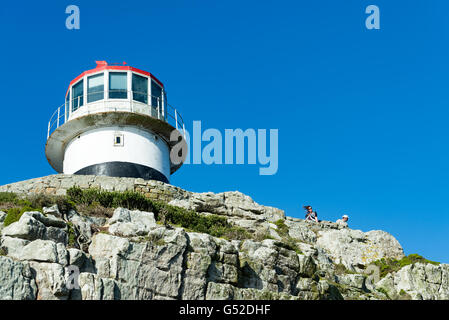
(67, 101)
(140, 88)
(78, 95)
(156, 95)
(118, 85)
(95, 88)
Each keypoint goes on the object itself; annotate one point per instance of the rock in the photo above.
(16, 280)
(146, 268)
(418, 281)
(307, 266)
(2, 216)
(107, 246)
(53, 210)
(48, 221)
(93, 287)
(140, 259)
(27, 228)
(80, 259)
(44, 251)
(56, 234)
(98, 221)
(82, 224)
(34, 225)
(233, 203)
(50, 280)
(352, 280)
(201, 249)
(300, 231)
(266, 266)
(307, 289)
(328, 291)
(131, 223)
(220, 291)
(13, 246)
(384, 244)
(353, 248)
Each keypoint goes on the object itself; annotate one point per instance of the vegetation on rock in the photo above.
(190, 220)
(15, 206)
(71, 235)
(287, 241)
(392, 265)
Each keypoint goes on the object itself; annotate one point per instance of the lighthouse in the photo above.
(115, 122)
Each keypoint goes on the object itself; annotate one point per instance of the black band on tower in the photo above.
(123, 169)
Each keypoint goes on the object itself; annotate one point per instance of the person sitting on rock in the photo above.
(343, 221)
(310, 214)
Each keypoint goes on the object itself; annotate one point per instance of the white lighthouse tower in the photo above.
(115, 122)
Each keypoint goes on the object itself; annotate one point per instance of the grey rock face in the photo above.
(82, 224)
(300, 231)
(51, 280)
(12, 246)
(16, 280)
(417, 281)
(80, 259)
(93, 287)
(143, 269)
(53, 210)
(27, 228)
(353, 248)
(43, 251)
(130, 256)
(129, 223)
(34, 225)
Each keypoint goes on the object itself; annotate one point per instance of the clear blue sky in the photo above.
(362, 114)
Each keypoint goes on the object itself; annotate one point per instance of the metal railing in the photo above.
(130, 101)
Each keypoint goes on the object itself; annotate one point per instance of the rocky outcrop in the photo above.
(132, 256)
(418, 282)
(355, 249)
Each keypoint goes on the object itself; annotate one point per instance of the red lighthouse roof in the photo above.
(103, 65)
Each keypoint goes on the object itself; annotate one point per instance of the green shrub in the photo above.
(14, 214)
(414, 258)
(230, 233)
(10, 200)
(191, 220)
(392, 265)
(40, 200)
(110, 199)
(64, 204)
(8, 197)
(96, 209)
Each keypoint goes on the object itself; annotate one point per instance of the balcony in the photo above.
(122, 101)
